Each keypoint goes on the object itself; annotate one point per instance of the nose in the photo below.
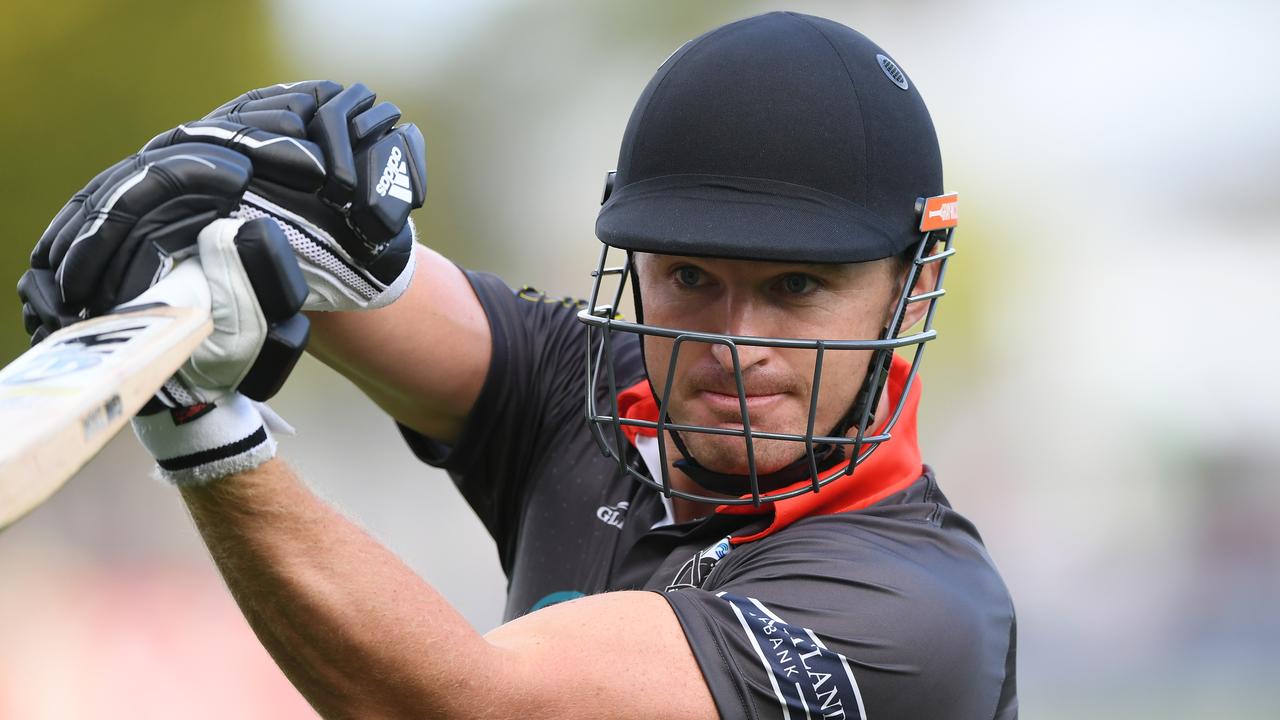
(742, 318)
(748, 356)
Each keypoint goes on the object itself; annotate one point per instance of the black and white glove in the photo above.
(349, 225)
(108, 243)
(245, 273)
(130, 226)
(327, 164)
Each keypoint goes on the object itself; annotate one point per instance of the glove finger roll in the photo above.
(393, 176)
(277, 121)
(292, 162)
(321, 90)
(161, 233)
(101, 197)
(41, 305)
(197, 174)
(373, 122)
(331, 130)
(71, 215)
(30, 319)
(39, 335)
(300, 104)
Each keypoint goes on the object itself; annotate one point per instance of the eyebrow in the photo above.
(830, 269)
(834, 272)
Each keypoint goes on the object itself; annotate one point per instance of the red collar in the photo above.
(893, 466)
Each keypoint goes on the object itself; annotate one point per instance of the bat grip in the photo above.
(183, 286)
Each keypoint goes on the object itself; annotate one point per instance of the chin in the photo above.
(728, 455)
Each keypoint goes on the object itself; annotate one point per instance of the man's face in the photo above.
(763, 299)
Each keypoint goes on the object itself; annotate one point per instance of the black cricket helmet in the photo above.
(783, 137)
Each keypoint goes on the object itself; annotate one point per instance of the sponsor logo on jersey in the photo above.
(696, 569)
(613, 515)
(555, 598)
(395, 177)
(809, 679)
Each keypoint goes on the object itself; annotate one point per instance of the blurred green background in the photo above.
(1089, 405)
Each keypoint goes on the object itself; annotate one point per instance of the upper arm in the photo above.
(619, 655)
(423, 358)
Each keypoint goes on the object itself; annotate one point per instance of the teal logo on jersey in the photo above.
(556, 597)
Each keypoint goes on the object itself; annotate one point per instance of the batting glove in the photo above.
(351, 231)
(108, 243)
(128, 228)
(209, 428)
(327, 164)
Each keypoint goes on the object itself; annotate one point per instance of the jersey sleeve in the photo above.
(793, 631)
(531, 398)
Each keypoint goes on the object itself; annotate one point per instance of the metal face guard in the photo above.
(606, 423)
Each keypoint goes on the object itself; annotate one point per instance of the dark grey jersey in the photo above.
(891, 611)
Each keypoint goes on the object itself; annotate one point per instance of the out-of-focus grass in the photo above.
(87, 83)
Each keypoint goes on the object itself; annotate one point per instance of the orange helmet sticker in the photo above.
(940, 211)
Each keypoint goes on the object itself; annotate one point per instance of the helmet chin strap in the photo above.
(826, 455)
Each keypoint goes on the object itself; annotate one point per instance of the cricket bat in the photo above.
(61, 401)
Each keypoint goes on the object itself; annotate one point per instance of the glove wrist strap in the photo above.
(228, 439)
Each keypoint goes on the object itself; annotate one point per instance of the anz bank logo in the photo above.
(809, 679)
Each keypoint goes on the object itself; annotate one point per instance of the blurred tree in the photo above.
(524, 118)
(516, 111)
(89, 82)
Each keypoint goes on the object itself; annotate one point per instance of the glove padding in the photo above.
(350, 227)
(250, 281)
(348, 224)
(107, 243)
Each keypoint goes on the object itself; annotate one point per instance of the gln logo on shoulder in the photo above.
(614, 515)
(395, 177)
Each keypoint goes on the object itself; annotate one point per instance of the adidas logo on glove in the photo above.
(395, 178)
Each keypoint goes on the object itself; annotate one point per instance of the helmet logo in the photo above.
(892, 71)
(940, 212)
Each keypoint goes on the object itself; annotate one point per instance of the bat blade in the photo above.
(61, 401)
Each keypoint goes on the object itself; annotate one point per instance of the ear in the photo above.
(926, 281)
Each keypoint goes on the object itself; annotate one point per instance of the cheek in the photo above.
(657, 357)
(658, 352)
(842, 376)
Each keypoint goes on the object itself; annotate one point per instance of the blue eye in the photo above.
(798, 284)
(689, 276)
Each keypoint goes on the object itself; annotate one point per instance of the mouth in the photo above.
(729, 405)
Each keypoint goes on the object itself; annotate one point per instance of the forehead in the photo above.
(650, 262)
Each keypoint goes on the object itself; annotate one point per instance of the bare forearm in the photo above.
(353, 628)
(423, 358)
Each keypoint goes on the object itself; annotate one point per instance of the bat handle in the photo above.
(183, 286)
